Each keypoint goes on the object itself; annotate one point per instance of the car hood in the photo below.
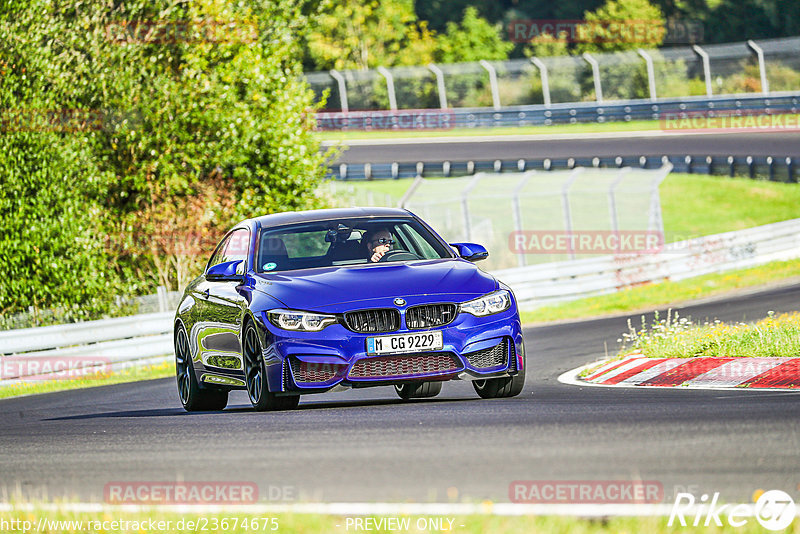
(336, 289)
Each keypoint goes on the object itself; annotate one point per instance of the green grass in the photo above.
(589, 127)
(679, 337)
(578, 128)
(166, 522)
(692, 204)
(48, 386)
(643, 298)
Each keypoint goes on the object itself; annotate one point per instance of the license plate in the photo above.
(399, 343)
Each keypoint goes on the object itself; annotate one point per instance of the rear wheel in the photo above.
(193, 397)
(256, 377)
(418, 390)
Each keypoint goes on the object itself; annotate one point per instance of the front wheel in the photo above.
(418, 390)
(256, 377)
(498, 388)
(193, 398)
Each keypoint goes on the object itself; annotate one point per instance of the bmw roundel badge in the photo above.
(399, 302)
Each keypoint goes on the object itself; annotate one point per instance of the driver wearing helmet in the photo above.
(378, 243)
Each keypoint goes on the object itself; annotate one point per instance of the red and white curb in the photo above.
(701, 372)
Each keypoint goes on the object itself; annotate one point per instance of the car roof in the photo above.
(290, 217)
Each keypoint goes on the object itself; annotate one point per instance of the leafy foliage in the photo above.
(353, 34)
(179, 104)
(472, 40)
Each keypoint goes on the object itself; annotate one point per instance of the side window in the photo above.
(237, 247)
(216, 258)
(234, 247)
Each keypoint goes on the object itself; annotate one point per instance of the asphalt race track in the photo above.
(368, 446)
(621, 144)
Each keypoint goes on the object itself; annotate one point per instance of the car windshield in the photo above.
(346, 242)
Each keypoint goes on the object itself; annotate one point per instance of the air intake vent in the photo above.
(491, 357)
(406, 365)
(305, 372)
(373, 321)
(430, 315)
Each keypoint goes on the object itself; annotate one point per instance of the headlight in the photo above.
(488, 304)
(299, 320)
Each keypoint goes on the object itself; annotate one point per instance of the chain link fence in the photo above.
(527, 218)
(721, 69)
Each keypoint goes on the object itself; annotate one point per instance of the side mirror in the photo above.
(471, 251)
(225, 272)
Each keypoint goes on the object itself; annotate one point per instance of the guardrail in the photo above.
(108, 344)
(146, 339)
(775, 168)
(569, 280)
(545, 115)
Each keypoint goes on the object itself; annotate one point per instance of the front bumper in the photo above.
(311, 362)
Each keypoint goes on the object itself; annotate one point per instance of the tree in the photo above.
(472, 40)
(131, 112)
(622, 25)
(353, 34)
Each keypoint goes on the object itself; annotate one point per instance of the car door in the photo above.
(223, 307)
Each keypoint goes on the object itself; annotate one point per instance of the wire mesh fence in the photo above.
(527, 218)
(722, 69)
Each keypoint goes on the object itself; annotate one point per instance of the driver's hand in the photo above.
(379, 251)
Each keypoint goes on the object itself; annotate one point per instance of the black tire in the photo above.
(499, 388)
(418, 390)
(192, 396)
(256, 376)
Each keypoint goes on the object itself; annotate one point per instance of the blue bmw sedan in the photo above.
(308, 302)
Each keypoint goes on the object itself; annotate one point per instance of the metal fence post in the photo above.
(565, 207)
(545, 79)
(762, 65)
(439, 85)
(336, 75)
(651, 73)
(410, 191)
(706, 68)
(389, 87)
(163, 305)
(655, 220)
(465, 204)
(517, 211)
(612, 199)
(492, 83)
(598, 87)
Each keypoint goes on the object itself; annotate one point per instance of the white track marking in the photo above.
(734, 373)
(653, 372)
(515, 138)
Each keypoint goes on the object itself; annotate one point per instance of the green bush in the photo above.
(221, 103)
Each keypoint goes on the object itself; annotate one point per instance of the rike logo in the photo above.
(774, 510)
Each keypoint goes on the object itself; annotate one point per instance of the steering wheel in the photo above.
(399, 255)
